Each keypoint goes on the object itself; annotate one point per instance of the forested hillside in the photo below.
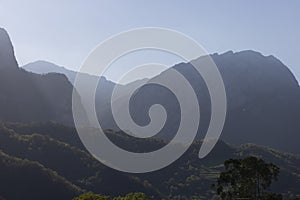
(54, 147)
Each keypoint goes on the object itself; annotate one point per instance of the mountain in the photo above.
(103, 92)
(25, 96)
(7, 57)
(46, 160)
(49, 145)
(44, 67)
(263, 99)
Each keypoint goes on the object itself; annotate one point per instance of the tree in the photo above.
(247, 178)
(91, 196)
(130, 196)
(133, 196)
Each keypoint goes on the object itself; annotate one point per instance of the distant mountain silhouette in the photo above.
(25, 96)
(45, 67)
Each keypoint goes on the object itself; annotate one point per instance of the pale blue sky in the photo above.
(65, 31)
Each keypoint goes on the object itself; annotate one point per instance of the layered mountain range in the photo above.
(263, 99)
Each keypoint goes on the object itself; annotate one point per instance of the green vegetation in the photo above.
(247, 178)
(91, 196)
(133, 196)
(130, 196)
(54, 148)
(24, 179)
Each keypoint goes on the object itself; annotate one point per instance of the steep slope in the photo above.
(50, 153)
(7, 57)
(26, 96)
(263, 101)
(103, 92)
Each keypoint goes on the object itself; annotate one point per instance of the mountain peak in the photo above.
(44, 67)
(7, 56)
(240, 53)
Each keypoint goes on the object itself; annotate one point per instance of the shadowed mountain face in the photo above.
(7, 57)
(103, 92)
(263, 99)
(25, 96)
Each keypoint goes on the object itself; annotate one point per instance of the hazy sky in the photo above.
(65, 31)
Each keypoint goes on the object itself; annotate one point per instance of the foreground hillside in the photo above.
(25, 179)
(50, 157)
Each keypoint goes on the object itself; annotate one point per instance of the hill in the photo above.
(24, 179)
(51, 147)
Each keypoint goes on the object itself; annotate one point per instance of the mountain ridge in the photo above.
(263, 99)
(25, 96)
(7, 54)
